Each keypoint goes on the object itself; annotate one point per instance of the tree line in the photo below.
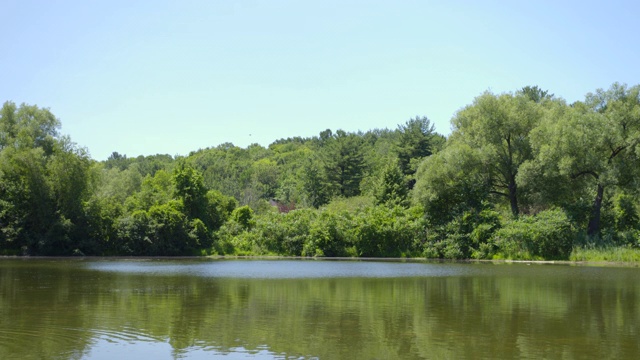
(522, 175)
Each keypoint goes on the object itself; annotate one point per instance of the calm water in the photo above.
(310, 309)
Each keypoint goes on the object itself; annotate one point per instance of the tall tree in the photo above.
(498, 127)
(451, 182)
(43, 182)
(344, 164)
(27, 126)
(416, 141)
(189, 187)
(535, 94)
(391, 189)
(595, 143)
(27, 207)
(315, 185)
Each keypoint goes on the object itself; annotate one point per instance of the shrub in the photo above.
(328, 235)
(547, 235)
(243, 216)
(466, 235)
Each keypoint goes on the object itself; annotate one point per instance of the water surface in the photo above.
(310, 309)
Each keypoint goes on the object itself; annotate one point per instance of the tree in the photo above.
(535, 94)
(27, 209)
(315, 184)
(69, 170)
(27, 127)
(243, 216)
(118, 161)
(44, 182)
(264, 178)
(414, 143)
(391, 189)
(498, 127)
(226, 168)
(451, 182)
(219, 208)
(594, 143)
(211, 207)
(189, 187)
(344, 164)
(155, 190)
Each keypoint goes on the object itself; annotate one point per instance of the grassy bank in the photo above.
(606, 254)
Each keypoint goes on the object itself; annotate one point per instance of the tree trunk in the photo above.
(513, 198)
(594, 222)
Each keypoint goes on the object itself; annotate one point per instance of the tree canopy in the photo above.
(522, 174)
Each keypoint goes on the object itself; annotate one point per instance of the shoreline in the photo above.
(379, 259)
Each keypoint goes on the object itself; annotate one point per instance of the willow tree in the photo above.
(595, 143)
(451, 182)
(497, 127)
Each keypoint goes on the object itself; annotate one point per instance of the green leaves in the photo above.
(451, 182)
(44, 181)
(498, 127)
(344, 165)
(391, 189)
(508, 155)
(548, 235)
(591, 144)
(27, 126)
(416, 141)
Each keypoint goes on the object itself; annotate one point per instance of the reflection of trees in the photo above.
(534, 312)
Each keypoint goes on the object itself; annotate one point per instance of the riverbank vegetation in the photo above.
(523, 175)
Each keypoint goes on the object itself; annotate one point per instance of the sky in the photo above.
(170, 77)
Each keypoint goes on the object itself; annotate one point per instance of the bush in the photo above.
(625, 212)
(329, 235)
(285, 233)
(547, 235)
(243, 216)
(467, 235)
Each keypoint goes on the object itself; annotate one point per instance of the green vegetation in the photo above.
(523, 175)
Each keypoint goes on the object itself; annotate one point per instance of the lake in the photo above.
(315, 309)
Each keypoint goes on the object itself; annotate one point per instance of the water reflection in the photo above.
(281, 269)
(314, 309)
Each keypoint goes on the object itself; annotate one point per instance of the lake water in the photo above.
(315, 309)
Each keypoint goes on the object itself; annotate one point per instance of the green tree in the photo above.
(266, 174)
(391, 189)
(189, 187)
(68, 171)
(28, 207)
(416, 141)
(118, 161)
(315, 184)
(535, 94)
(219, 208)
(343, 159)
(210, 207)
(450, 183)
(243, 216)
(594, 144)
(43, 183)
(27, 126)
(498, 127)
(626, 212)
(226, 168)
(154, 190)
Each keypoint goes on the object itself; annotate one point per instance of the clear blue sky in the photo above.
(170, 77)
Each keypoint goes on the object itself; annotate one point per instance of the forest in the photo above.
(522, 175)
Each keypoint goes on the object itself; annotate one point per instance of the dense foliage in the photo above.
(522, 175)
